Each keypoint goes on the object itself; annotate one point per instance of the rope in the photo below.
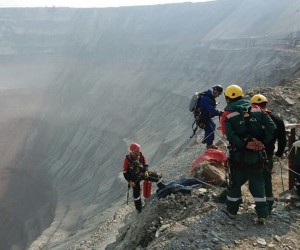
(281, 169)
(216, 187)
(194, 131)
(208, 135)
(281, 174)
(221, 137)
(288, 167)
(290, 151)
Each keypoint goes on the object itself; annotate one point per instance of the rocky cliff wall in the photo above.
(111, 76)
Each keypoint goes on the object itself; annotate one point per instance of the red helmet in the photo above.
(135, 147)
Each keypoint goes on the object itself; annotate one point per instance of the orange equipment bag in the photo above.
(147, 188)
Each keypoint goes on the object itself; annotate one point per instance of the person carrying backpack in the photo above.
(135, 169)
(205, 110)
(248, 129)
(279, 136)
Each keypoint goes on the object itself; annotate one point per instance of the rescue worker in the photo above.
(279, 136)
(243, 126)
(207, 107)
(135, 169)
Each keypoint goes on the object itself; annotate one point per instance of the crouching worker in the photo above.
(135, 169)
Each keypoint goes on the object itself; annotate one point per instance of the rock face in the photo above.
(108, 77)
(283, 99)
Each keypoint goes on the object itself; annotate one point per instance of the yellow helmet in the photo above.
(259, 98)
(234, 91)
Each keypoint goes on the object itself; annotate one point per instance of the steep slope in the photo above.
(112, 76)
(20, 110)
(257, 19)
(197, 220)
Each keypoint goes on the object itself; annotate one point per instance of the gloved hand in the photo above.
(146, 174)
(132, 184)
(255, 145)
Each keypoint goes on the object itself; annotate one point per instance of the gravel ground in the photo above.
(197, 220)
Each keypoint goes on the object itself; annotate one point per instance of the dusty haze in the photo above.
(78, 85)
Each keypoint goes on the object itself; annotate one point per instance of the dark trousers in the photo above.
(267, 174)
(256, 187)
(137, 196)
(209, 132)
(153, 177)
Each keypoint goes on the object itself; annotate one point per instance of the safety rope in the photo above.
(282, 166)
(288, 167)
(208, 135)
(213, 186)
(281, 175)
(221, 137)
(194, 129)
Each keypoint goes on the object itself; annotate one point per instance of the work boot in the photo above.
(231, 216)
(160, 184)
(262, 221)
(212, 146)
(222, 197)
(138, 205)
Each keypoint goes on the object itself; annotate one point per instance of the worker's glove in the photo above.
(255, 145)
(146, 174)
(132, 184)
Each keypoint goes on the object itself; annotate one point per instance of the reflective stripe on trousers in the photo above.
(234, 199)
(136, 199)
(260, 199)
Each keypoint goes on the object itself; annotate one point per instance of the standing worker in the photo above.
(205, 110)
(247, 128)
(135, 169)
(279, 136)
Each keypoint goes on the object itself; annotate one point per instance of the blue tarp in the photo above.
(183, 185)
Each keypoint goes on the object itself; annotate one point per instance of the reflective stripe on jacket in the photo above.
(242, 121)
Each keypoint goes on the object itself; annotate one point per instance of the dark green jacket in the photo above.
(242, 125)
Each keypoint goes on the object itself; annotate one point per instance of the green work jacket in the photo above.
(244, 121)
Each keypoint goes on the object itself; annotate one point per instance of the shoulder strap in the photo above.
(247, 117)
(129, 158)
(134, 162)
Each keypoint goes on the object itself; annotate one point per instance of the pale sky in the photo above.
(87, 3)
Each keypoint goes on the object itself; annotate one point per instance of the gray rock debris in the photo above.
(196, 221)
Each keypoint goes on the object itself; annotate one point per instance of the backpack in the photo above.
(197, 112)
(246, 116)
(246, 122)
(194, 101)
